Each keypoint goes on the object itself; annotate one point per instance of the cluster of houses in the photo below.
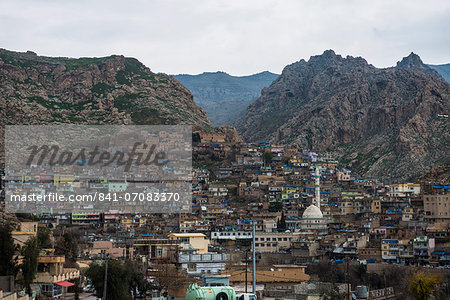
(296, 207)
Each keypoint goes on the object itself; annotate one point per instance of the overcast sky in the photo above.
(239, 37)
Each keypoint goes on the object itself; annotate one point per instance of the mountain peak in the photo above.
(413, 61)
(329, 53)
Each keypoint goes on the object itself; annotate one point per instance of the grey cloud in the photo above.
(239, 37)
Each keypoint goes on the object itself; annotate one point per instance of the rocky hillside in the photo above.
(380, 122)
(225, 97)
(109, 90)
(443, 70)
(439, 174)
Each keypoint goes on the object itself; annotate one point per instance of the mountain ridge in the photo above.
(224, 96)
(107, 90)
(443, 70)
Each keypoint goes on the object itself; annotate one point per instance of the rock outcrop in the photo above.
(413, 61)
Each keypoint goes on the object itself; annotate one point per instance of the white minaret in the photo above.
(317, 187)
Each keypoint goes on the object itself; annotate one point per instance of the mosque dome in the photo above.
(312, 212)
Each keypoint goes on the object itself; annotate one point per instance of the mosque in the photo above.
(312, 219)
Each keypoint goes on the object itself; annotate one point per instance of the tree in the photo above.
(281, 224)
(196, 137)
(423, 284)
(43, 236)
(77, 290)
(167, 275)
(275, 206)
(267, 157)
(137, 282)
(29, 265)
(123, 280)
(67, 246)
(7, 249)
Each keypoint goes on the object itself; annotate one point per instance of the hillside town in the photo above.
(224, 150)
(314, 230)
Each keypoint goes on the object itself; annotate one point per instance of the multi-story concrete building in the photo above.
(221, 237)
(273, 241)
(423, 247)
(437, 207)
(404, 190)
(264, 241)
(156, 248)
(197, 264)
(196, 241)
(396, 251)
(218, 190)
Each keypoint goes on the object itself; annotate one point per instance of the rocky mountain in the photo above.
(225, 97)
(443, 70)
(109, 90)
(380, 122)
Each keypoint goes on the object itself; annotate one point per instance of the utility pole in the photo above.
(106, 280)
(384, 279)
(348, 281)
(254, 258)
(246, 268)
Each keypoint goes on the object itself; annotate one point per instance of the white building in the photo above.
(197, 264)
(404, 190)
(312, 219)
